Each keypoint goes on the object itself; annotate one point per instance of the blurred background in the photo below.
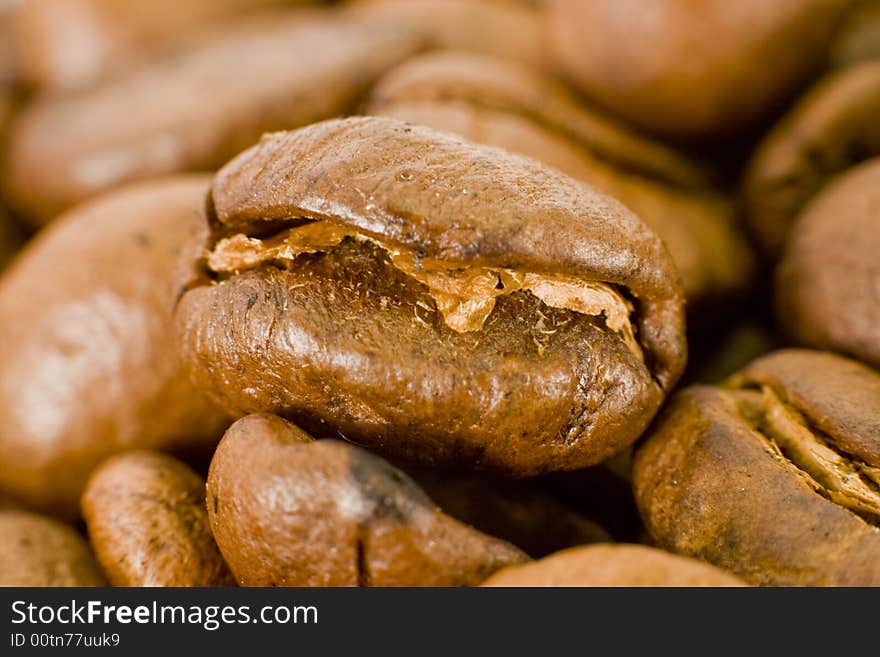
(716, 122)
(746, 134)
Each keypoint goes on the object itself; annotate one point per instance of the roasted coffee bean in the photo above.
(613, 565)
(692, 68)
(148, 523)
(478, 85)
(40, 551)
(290, 511)
(828, 282)
(193, 111)
(69, 44)
(505, 28)
(87, 354)
(438, 301)
(774, 476)
(833, 127)
(503, 104)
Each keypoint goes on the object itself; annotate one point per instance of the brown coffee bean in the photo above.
(503, 104)
(439, 301)
(833, 127)
(88, 359)
(193, 111)
(828, 282)
(481, 86)
(775, 476)
(148, 523)
(69, 44)
(613, 565)
(40, 551)
(691, 68)
(505, 28)
(290, 511)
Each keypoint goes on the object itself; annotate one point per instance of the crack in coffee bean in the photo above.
(837, 476)
(464, 295)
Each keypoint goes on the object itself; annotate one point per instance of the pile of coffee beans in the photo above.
(439, 293)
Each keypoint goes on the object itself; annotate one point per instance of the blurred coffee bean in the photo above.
(833, 127)
(148, 523)
(72, 44)
(692, 68)
(858, 38)
(40, 551)
(828, 281)
(505, 28)
(613, 565)
(88, 362)
(193, 111)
